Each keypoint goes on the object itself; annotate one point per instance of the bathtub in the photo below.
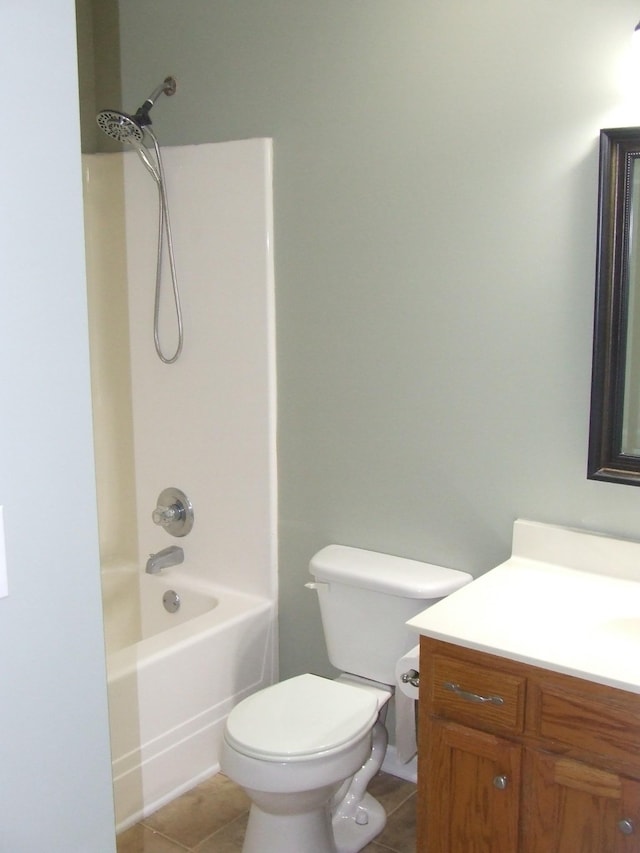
(173, 678)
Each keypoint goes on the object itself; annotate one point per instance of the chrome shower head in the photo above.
(125, 128)
(120, 126)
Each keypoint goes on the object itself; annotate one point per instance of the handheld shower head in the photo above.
(126, 128)
(135, 130)
(120, 126)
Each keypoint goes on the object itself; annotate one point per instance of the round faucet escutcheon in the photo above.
(173, 512)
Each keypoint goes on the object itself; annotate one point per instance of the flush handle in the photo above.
(411, 677)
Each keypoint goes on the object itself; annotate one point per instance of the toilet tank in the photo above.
(365, 600)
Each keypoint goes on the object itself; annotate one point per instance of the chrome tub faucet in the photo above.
(171, 556)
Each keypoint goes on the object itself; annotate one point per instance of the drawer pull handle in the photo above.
(473, 697)
(626, 826)
(500, 782)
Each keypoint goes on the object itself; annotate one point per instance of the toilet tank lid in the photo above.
(385, 573)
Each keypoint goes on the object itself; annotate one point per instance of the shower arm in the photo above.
(167, 87)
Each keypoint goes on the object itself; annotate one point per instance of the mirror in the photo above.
(614, 437)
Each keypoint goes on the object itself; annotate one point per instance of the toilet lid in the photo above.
(300, 717)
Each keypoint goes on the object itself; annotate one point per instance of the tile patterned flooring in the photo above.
(212, 819)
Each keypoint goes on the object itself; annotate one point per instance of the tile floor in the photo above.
(212, 818)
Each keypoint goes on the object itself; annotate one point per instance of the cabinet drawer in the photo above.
(589, 722)
(479, 696)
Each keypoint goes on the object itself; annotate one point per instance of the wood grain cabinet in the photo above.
(518, 759)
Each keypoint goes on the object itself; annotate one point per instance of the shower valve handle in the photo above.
(173, 512)
(164, 515)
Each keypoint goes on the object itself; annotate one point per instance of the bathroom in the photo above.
(433, 325)
(435, 180)
(334, 294)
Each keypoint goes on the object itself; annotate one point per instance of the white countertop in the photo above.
(580, 621)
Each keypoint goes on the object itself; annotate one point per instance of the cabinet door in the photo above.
(570, 807)
(472, 791)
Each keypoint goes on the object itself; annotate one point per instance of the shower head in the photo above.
(120, 126)
(125, 128)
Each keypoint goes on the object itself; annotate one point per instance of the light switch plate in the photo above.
(4, 591)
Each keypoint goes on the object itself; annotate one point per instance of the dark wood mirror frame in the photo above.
(619, 149)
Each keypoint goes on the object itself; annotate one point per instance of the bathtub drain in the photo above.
(171, 601)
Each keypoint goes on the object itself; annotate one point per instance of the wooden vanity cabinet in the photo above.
(517, 759)
(469, 816)
(572, 807)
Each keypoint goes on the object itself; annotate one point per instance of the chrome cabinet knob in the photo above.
(500, 782)
(626, 826)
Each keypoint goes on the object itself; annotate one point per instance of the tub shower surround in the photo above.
(172, 687)
(206, 425)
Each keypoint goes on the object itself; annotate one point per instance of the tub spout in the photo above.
(170, 556)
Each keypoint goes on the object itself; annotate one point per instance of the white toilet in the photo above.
(305, 749)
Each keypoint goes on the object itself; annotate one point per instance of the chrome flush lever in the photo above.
(411, 677)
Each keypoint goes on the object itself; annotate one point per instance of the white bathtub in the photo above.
(174, 677)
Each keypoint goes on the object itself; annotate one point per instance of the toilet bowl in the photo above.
(291, 747)
(306, 749)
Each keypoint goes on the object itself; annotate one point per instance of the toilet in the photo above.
(305, 749)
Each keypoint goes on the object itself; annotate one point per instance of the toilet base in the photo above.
(308, 831)
(314, 830)
(351, 836)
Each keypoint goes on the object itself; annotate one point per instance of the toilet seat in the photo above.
(299, 718)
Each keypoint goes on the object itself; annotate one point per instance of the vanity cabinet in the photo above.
(466, 765)
(518, 759)
(573, 807)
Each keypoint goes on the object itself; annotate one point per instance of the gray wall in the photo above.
(435, 193)
(55, 768)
